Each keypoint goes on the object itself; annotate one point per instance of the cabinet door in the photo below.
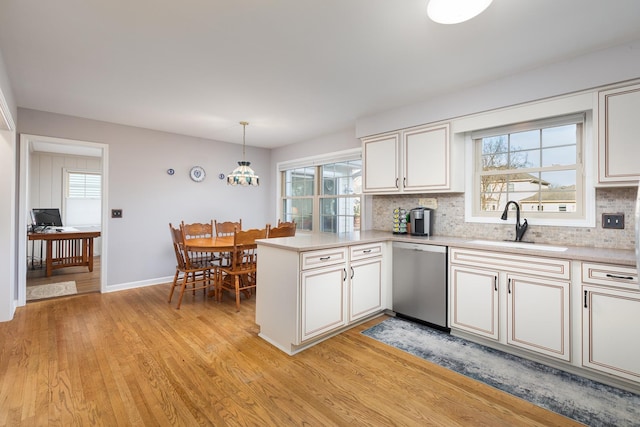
(474, 300)
(538, 315)
(365, 294)
(426, 159)
(610, 339)
(618, 148)
(381, 165)
(322, 305)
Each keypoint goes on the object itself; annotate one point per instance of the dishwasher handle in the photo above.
(422, 247)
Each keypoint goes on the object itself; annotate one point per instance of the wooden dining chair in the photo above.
(284, 229)
(226, 228)
(199, 230)
(196, 275)
(240, 275)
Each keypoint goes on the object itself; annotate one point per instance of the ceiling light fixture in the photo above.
(243, 174)
(455, 11)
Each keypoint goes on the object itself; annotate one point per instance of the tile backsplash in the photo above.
(449, 220)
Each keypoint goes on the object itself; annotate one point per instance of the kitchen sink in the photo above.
(522, 245)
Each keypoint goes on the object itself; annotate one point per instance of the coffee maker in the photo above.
(421, 220)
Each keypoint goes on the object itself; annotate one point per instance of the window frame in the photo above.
(316, 162)
(83, 203)
(585, 196)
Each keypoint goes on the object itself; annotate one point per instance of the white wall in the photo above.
(607, 66)
(337, 141)
(8, 232)
(46, 177)
(8, 282)
(139, 245)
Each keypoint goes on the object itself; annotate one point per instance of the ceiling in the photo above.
(294, 69)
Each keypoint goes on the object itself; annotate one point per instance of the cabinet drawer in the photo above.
(610, 275)
(322, 258)
(522, 264)
(366, 251)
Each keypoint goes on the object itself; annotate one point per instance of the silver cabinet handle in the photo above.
(324, 258)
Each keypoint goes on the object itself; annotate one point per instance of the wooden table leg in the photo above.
(90, 250)
(49, 257)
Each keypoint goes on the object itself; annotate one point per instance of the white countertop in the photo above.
(311, 241)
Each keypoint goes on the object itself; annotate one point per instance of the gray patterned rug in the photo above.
(581, 399)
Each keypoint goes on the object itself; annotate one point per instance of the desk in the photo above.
(67, 248)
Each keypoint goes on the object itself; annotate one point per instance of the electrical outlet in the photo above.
(116, 213)
(428, 202)
(613, 221)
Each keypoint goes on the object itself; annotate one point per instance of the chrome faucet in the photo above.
(520, 228)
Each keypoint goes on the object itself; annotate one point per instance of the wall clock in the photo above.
(197, 173)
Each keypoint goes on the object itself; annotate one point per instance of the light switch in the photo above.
(615, 221)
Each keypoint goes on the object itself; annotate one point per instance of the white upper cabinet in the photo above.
(426, 159)
(415, 160)
(381, 156)
(618, 136)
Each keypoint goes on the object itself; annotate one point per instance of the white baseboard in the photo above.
(139, 284)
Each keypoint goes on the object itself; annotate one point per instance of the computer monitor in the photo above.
(49, 217)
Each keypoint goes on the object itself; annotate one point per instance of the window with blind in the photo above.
(83, 198)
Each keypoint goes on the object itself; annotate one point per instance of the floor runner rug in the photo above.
(575, 397)
(51, 290)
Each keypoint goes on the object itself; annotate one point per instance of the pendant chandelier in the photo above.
(243, 174)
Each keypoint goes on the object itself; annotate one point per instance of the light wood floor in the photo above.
(86, 281)
(130, 358)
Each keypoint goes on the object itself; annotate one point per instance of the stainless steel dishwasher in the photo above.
(420, 282)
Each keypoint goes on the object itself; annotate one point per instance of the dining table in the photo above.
(214, 244)
(210, 244)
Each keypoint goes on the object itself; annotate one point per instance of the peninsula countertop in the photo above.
(302, 242)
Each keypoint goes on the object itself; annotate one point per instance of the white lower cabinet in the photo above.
(538, 315)
(322, 300)
(349, 290)
(491, 297)
(365, 288)
(610, 314)
(474, 300)
(307, 296)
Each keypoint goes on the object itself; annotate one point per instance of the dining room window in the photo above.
(324, 196)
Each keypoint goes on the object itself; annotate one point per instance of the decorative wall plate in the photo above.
(197, 173)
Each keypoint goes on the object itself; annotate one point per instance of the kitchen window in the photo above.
(325, 195)
(538, 164)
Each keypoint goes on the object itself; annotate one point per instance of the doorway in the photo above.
(57, 156)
